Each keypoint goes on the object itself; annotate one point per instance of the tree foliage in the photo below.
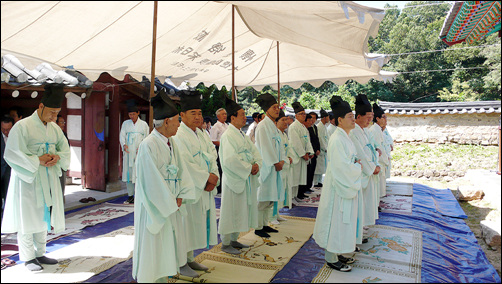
(410, 30)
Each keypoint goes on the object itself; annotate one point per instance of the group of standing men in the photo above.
(175, 173)
(357, 167)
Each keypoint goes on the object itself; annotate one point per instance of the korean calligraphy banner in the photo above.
(319, 40)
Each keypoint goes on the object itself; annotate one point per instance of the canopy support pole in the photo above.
(233, 53)
(152, 77)
(278, 80)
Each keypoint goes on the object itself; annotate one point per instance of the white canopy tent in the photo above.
(318, 40)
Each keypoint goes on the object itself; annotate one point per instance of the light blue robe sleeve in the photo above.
(346, 174)
(17, 155)
(295, 143)
(122, 136)
(266, 145)
(198, 174)
(368, 165)
(233, 163)
(157, 198)
(187, 187)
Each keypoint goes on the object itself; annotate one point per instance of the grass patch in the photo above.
(440, 157)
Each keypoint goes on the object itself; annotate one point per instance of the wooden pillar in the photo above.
(278, 79)
(154, 46)
(233, 53)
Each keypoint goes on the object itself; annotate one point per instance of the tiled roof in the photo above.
(470, 21)
(15, 73)
(441, 108)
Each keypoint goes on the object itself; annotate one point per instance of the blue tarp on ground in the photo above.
(451, 252)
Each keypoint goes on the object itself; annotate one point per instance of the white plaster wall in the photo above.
(74, 127)
(73, 101)
(76, 159)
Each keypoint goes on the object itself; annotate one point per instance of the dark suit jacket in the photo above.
(5, 166)
(314, 138)
(4, 183)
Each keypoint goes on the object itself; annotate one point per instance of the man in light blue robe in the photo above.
(163, 187)
(338, 226)
(388, 147)
(376, 135)
(268, 142)
(322, 160)
(200, 222)
(132, 132)
(240, 162)
(37, 152)
(302, 151)
(369, 159)
(331, 126)
(286, 199)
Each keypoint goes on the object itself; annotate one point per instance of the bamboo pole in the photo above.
(278, 80)
(233, 53)
(152, 77)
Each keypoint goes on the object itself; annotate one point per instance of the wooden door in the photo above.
(94, 166)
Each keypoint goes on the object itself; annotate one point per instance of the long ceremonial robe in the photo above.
(200, 222)
(388, 144)
(33, 188)
(239, 202)
(210, 150)
(299, 140)
(376, 136)
(338, 226)
(369, 181)
(159, 238)
(322, 160)
(330, 129)
(268, 142)
(131, 134)
(287, 173)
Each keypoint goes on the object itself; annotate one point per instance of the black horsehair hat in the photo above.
(362, 104)
(377, 110)
(339, 107)
(131, 105)
(297, 107)
(190, 100)
(53, 95)
(163, 106)
(281, 115)
(265, 101)
(231, 107)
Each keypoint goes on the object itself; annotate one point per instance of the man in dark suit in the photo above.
(316, 145)
(7, 123)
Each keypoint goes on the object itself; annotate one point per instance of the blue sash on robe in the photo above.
(46, 187)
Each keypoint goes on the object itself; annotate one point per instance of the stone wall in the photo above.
(476, 128)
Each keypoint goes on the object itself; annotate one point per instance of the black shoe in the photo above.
(261, 233)
(379, 209)
(33, 265)
(346, 260)
(357, 249)
(340, 266)
(129, 200)
(319, 185)
(365, 240)
(269, 229)
(303, 196)
(46, 260)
